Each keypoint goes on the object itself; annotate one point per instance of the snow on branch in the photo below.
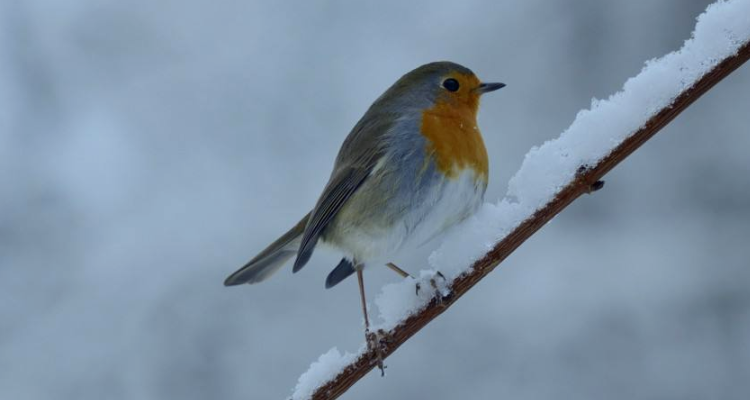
(552, 176)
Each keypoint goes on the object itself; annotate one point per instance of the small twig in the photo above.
(587, 180)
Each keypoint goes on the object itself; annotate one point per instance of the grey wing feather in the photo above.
(357, 157)
(338, 191)
(273, 257)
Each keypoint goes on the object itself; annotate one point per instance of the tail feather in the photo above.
(273, 257)
(341, 272)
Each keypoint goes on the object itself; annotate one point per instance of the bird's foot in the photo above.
(377, 342)
(433, 283)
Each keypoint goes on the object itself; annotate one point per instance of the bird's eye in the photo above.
(450, 84)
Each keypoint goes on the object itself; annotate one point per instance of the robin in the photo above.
(413, 166)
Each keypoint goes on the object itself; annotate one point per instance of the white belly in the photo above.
(445, 205)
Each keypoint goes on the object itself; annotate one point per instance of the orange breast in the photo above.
(453, 138)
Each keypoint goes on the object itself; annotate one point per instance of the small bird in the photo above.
(413, 166)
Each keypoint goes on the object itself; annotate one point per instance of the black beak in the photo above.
(489, 87)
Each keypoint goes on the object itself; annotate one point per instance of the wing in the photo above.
(341, 187)
(358, 156)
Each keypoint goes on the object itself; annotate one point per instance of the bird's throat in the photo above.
(453, 138)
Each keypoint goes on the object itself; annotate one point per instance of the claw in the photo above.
(434, 285)
(377, 342)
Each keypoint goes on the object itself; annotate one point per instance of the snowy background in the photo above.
(148, 150)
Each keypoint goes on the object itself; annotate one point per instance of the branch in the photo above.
(586, 180)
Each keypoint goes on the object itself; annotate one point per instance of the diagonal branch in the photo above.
(586, 180)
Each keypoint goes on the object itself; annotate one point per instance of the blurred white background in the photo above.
(148, 149)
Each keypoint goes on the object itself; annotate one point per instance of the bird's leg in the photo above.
(403, 274)
(398, 270)
(372, 339)
(361, 282)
